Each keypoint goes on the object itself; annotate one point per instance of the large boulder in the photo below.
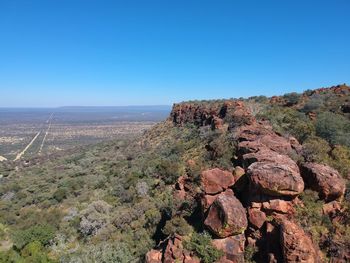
(296, 245)
(254, 137)
(215, 180)
(275, 179)
(233, 248)
(226, 216)
(323, 179)
(267, 155)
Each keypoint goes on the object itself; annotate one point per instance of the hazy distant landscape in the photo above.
(49, 130)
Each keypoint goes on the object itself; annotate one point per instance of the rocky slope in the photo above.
(253, 205)
(247, 180)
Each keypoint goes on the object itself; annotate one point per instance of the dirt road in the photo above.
(27, 147)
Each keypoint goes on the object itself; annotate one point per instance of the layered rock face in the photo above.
(261, 212)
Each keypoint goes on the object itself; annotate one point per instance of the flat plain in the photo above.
(26, 133)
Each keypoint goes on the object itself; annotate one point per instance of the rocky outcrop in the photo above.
(211, 114)
(325, 180)
(233, 248)
(296, 245)
(226, 216)
(216, 180)
(275, 179)
(255, 204)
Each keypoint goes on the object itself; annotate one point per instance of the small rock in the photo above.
(154, 256)
(256, 217)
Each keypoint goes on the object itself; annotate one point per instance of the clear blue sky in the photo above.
(85, 52)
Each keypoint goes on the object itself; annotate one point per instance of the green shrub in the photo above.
(316, 149)
(341, 159)
(201, 244)
(169, 171)
(249, 253)
(34, 252)
(291, 98)
(40, 233)
(60, 194)
(288, 121)
(310, 216)
(10, 256)
(314, 104)
(334, 128)
(177, 225)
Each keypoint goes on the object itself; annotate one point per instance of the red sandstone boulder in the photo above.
(216, 180)
(256, 217)
(323, 179)
(233, 248)
(296, 245)
(226, 216)
(278, 206)
(267, 155)
(153, 256)
(276, 143)
(207, 201)
(275, 179)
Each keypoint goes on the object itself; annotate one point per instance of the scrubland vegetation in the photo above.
(113, 202)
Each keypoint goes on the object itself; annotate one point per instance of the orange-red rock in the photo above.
(226, 216)
(233, 248)
(256, 217)
(153, 256)
(216, 180)
(296, 245)
(275, 179)
(324, 179)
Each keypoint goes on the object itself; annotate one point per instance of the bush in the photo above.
(334, 128)
(201, 244)
(316, 149)
(60, 194)
(94, 217)
(169, 171)
(310, 216)
(39, 233)
(177, 225)
(34, 252)
(314, 104)
(288, 121)
(341, 159)
(291, 98)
